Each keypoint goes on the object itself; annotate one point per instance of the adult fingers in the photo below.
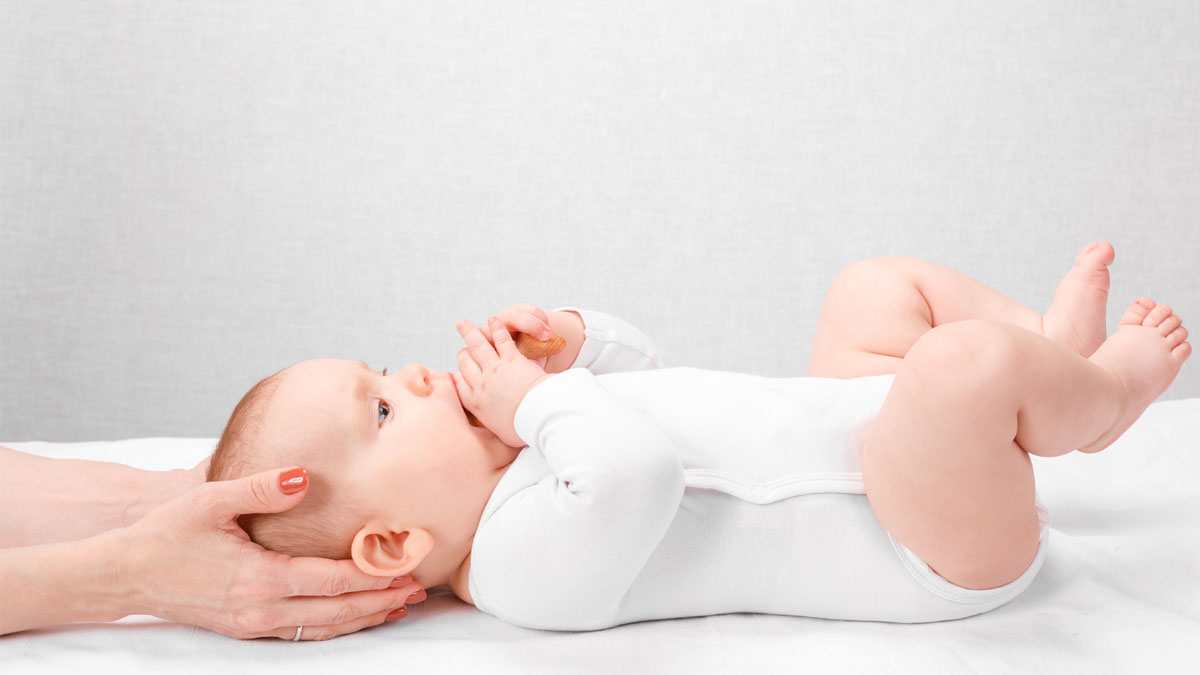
(269, 491)
(477, 344)
(316, 633)
(344, 608)
(321, 576)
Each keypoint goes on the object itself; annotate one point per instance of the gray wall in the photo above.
(194, 195)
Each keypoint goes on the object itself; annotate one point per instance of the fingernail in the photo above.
(400, 581)
(293, 481)
(397, 614)
(546, 334)
(417, 597)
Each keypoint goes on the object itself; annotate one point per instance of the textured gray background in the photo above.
(194, 195)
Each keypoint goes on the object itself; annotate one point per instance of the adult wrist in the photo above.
(109, 561)
(158, 488)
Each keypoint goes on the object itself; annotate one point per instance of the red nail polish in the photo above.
(293, 481)
(416, 597)
(400, 581)
(397, 614)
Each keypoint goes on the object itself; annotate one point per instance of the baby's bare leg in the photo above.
(946, 464)
(877, 308)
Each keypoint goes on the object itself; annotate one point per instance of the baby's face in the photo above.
(400, 444)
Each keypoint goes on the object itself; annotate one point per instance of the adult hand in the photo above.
(189, 561)
(197, 474)
(492, 381)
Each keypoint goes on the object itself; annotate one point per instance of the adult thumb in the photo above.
(269, 491)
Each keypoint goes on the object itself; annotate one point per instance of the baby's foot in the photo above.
(1076, 317)
(1144, 356)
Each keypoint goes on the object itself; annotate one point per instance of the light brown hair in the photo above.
(318, 526)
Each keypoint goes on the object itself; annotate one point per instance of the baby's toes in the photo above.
(1181, 352)
(1137, 312)
(1157, 315)
(1169, 324)
(1176, 336)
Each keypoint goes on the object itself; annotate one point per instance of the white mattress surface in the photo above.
(1119, 593)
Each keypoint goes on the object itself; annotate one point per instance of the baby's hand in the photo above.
(492, 381)
(530, 327)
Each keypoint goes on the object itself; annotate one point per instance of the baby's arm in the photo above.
(561, 554)
(569, 325)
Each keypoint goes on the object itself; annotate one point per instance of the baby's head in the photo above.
(398, 477)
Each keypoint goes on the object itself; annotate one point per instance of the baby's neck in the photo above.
(454, 570)
(448, 566)
(458, 581)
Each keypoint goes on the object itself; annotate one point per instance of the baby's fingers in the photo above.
(481, 350)
(467, 377)
(525, 319)
(504, 341)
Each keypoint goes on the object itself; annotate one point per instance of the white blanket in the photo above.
(1119, 593)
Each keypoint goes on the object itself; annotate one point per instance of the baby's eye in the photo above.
(382, 407)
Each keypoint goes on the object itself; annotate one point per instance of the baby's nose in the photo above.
(420, 372)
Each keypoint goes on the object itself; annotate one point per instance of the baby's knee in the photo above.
(976, 350)
(873, 272)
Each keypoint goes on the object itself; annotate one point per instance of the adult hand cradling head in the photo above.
(189, 561)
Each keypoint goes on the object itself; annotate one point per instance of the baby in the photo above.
(595, 487)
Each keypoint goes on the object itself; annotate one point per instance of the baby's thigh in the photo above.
(873, 313)
(942, 471)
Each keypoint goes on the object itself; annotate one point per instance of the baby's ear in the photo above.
(383, 552)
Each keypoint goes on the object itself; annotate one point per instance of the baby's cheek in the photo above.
(452, 466)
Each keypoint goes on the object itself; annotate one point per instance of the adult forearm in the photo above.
(45, 500)
(62, 583)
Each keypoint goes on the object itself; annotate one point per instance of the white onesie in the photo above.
(648, 492)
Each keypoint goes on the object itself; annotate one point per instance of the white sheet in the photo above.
(1119, 593)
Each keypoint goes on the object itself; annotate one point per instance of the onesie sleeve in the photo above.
(611, 344)
(561, 553)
